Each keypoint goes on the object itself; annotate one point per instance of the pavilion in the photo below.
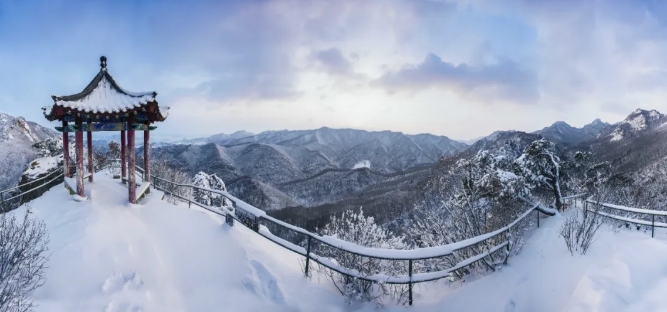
(104, 106)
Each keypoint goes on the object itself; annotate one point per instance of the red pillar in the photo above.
(90, 153)
(147, 156)
(132, 176)
(123, 157)
(66, 148)
(79, 158)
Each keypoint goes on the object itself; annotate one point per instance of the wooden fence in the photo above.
(318, 248)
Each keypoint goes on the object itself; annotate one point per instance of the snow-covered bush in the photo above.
(356, 228)
(23, 247)
(212, 182)
(579, 231)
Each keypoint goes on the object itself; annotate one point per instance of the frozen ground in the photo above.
(108, 255)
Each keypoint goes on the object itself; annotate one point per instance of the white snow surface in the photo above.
(42, 165)
(362, 164)
(616, 135)
(105, 99)
(108, 255)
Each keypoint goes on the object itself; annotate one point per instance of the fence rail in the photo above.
(15, 196)
(318, 248)
(646, 212)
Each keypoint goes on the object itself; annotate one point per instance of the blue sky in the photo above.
(457, 68)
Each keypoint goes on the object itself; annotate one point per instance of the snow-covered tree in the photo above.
(362, 230)
(488, 198)
(212, 182)
(541, 166)
(49, 148)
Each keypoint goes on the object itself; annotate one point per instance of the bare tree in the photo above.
(23, 247)
(163, 172)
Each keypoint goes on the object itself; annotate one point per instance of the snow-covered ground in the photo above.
(625, 270)
(108, 255)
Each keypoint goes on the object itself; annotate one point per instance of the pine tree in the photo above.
(541, 166)
(201, 180)
(208, 198)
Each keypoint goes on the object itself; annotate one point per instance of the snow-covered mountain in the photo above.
(635, 124)
(221, 138)
(17, 137)
(632, 144)
(386, 151)
(564, 134)
(277, 169)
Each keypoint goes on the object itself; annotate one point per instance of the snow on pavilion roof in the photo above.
(103, 96)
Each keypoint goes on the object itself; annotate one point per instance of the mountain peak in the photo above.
(641, 119)
(597, 121)
(560, 125)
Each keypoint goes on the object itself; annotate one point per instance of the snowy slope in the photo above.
(108, 255)
(617, 274)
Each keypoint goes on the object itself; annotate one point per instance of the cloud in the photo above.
(333, 62)
(506, 79)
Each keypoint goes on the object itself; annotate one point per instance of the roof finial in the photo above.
(103, 62)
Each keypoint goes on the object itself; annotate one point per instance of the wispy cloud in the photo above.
(501, 81)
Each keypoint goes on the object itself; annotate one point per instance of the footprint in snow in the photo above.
(263, 282)
(118, 282)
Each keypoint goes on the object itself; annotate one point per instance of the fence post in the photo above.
(538, 217)
(507, 247)
(410, 282)
(652, 225)
(308, 254)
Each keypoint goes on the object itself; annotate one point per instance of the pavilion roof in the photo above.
(104, 97)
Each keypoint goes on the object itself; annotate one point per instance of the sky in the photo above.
(457, 68)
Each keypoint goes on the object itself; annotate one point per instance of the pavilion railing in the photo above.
(14, 197)
(413, 266)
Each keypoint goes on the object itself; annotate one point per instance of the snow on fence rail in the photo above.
(12, 197)
(647, 212)
(257, 220)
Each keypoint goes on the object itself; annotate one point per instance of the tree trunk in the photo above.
(556, 188)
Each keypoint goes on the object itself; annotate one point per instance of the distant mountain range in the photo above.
(313, 173)
(562, 133)
(277, 169)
